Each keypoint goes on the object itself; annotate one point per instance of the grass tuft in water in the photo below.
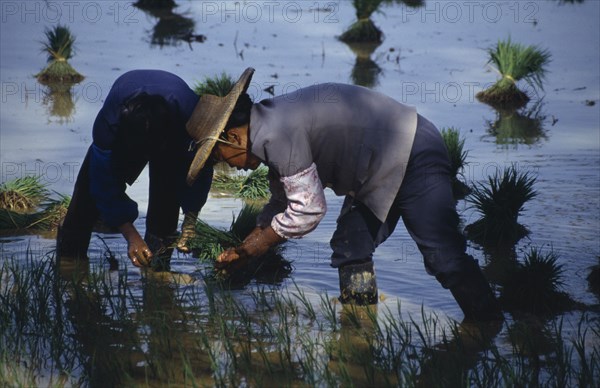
(514, 62)
(60, 48)
(455, 145)
(363, 30)
(219, 85)
(499, 204)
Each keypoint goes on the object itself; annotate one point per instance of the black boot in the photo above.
(72, 244)
(475, 296)
(357, 284)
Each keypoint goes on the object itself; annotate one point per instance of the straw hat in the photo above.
(209, 119)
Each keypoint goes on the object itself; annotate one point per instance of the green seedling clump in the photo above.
(219, 85)
(455, 145)
(60, 48)
(363, 30)
(255, 186)
(514, 62)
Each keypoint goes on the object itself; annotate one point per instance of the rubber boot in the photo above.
(358, 284)
(72, 244)
(475, 296)
(162, 249)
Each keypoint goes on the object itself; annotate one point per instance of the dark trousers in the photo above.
(162, 214)
(428, 210)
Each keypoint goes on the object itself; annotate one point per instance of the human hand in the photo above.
(227, 257)
(139, 253)
(137, 250)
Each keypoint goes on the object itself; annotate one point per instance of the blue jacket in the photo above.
(107, 186)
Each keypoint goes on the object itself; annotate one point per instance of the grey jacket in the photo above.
(359, 139)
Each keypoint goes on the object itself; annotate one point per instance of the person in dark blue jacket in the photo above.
(142, 122)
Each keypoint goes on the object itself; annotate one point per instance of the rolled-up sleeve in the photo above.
(108, 192)
(305, 204)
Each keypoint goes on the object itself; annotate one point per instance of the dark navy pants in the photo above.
(427, 207)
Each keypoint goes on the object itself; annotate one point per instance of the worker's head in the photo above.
(219, 127)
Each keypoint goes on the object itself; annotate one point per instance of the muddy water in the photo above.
(432, 58)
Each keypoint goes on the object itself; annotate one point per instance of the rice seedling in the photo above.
(500, 203)
(60, 48)
(219, 85)
(514, 62)
(363, 30)
(458, 155)
(22, 194)
(535, 285)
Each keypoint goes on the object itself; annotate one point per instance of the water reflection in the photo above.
(366, 71)
(171, 28)
(523, 126)
(59, 101)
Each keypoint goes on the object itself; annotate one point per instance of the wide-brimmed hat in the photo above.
(209, 119)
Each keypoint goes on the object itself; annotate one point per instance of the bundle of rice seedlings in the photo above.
(514, 62)
(534, 285)
(363, 30)
(455, 145)
(252, 187)
(500, 204)
(255, 185)
(408, 3)
(46, 219)
(22, 194)
(210, 242)
(59, 47)
(515, 127)
(219, 85)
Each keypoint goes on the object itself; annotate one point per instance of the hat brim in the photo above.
(209, 119)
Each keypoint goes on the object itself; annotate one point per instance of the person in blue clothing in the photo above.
(143, 121)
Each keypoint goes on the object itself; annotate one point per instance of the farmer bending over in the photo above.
(388, 162)
(142, 121)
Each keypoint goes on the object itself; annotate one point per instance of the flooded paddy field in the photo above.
(135, 327)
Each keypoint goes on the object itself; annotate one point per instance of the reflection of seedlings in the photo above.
(59, 100)
(534, 285)
(514, 62)
(253, 186)
(219, 85)
(171, 27)
(500, 204)
(518, 127)
(363, 30)
(155, 4)
(594, 278)
(365, 71)
(59, 47)
(455, 145)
